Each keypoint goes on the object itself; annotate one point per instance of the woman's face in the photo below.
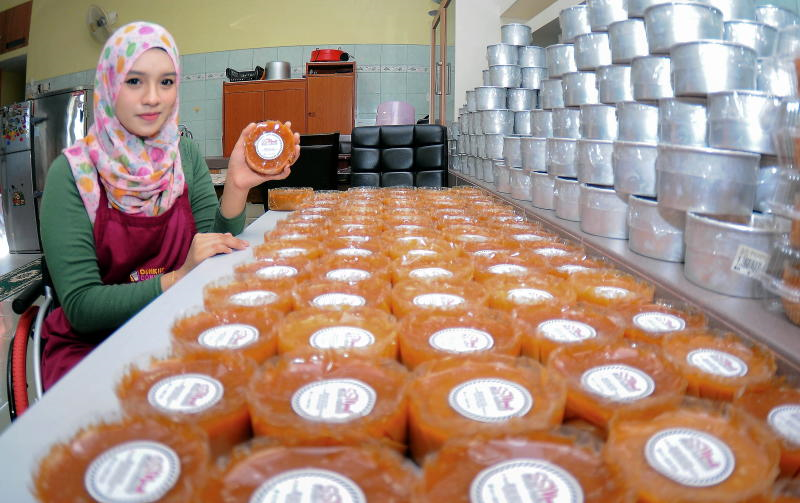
(148, 94)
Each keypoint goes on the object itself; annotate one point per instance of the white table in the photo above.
(86, 394)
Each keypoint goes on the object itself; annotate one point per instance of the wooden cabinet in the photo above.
(331, 97)
(259, 100)
(16, 24)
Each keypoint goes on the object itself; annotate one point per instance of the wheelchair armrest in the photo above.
(28, 297)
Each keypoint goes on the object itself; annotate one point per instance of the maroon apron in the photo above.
(130, 248)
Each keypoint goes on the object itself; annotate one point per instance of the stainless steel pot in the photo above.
(502, 54)
(598, 122)
(788, 43)
(278, 70)
(742, 120)
(604, 12)
(636, 8)
(542, 123)
(614, 84)
(522, 122)
(759, 36)
(580, 88)
(532, 77)
(511, 151)
(651, 78)
(637, 122)
(502, 178)
(706, 180)
(472, 169)
(634, 165)
(725, 254)
(560, 60)
(603, 212)
(560, 159)
(477, 122)
(542, 187)
(654, 231)
(532, 56)
(488, 169)
(683, 121)
(673, 23)
(515, 34)
(505, 75)
(566, 122)
(574, 21)
(519, 99)
(497, 121)
(490, 98)
(592, 50)
(552, 94)
(593, 158)
(627, 40)
(769, 180)
(776, 76)
(487, 78)
(471, 101)
(709, 66)
(480, 142)
(735, 9)
(534, 153)
(566, 198)
(776, 16)
(494, 145)
(520, 184)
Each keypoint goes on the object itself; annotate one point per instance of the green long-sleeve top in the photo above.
(68, 244)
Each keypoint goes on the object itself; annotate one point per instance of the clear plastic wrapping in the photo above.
(683, 121)
(634, 167)
(580, 88)
(592, 50)
(594, 161)
(566, 196)
(566, 123)
(598, 122)
(603, 212)
(520, 181)
(654, 231)
(561, 157)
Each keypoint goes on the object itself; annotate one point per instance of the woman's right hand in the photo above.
(205, 245)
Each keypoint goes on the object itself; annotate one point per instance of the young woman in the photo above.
(130, 209)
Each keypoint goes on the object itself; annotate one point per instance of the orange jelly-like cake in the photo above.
(554, 249)
(365, 331)
(196, 390)
(779, 407)
(270, 147)
(718, 365)
(280, 273)
(426, 337)
(529, 292)
(333, 295)
(330, 399)
(250, 333)
(605, 378)
(420, 267)
(352, 268)
(550, 329)
(152, 459)
(507, 263)
(610, 288)
(566, 266)
(496, 393)
(413, 296)
(531, 467)
(288, 198)
(420, 246)
(653, 322)
(296, 474)
(246, 295)
(698, 453)
(281, 248)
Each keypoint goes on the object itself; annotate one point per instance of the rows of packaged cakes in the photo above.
(441, 324)
(663, 124)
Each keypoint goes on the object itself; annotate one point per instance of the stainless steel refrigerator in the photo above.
(34, 132)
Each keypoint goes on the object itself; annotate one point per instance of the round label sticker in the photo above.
(785, 419)
(611, 292)
(405, 239)
(338, 299)
(472, 238)
(133, 472)
(572, 268)
(294, 236)
(253, 298)
(341, 338)
(461, 340)
(352, 275)
(717, 362)
(690, 457)
(269, 146)
(357, 239)
(421, 253)
(490, 400)
(525, 480)
(231, 336)
(507, 269)
(185, 393)
(276, 272)
(658, 322)
(567, 330)
(353, 252)
(430, 273)
(334, 400)
(484, 253)
(353, 227)
(409, 227)
(308, 485)
(527, 237)
(444, 300)
(291, 252)
(551, 252)
(528, 296)
(620, 383)
(318, 209)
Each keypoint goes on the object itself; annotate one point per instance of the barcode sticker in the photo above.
(749, 261)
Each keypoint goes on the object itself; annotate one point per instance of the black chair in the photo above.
(315, 168)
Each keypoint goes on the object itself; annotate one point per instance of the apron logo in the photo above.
(145, 273)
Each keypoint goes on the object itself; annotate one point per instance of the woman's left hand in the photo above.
(240, 176)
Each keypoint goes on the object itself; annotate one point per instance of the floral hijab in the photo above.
(140, 176)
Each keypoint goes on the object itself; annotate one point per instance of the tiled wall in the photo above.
(385, 73)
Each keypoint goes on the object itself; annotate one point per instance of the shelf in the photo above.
(746, 317)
